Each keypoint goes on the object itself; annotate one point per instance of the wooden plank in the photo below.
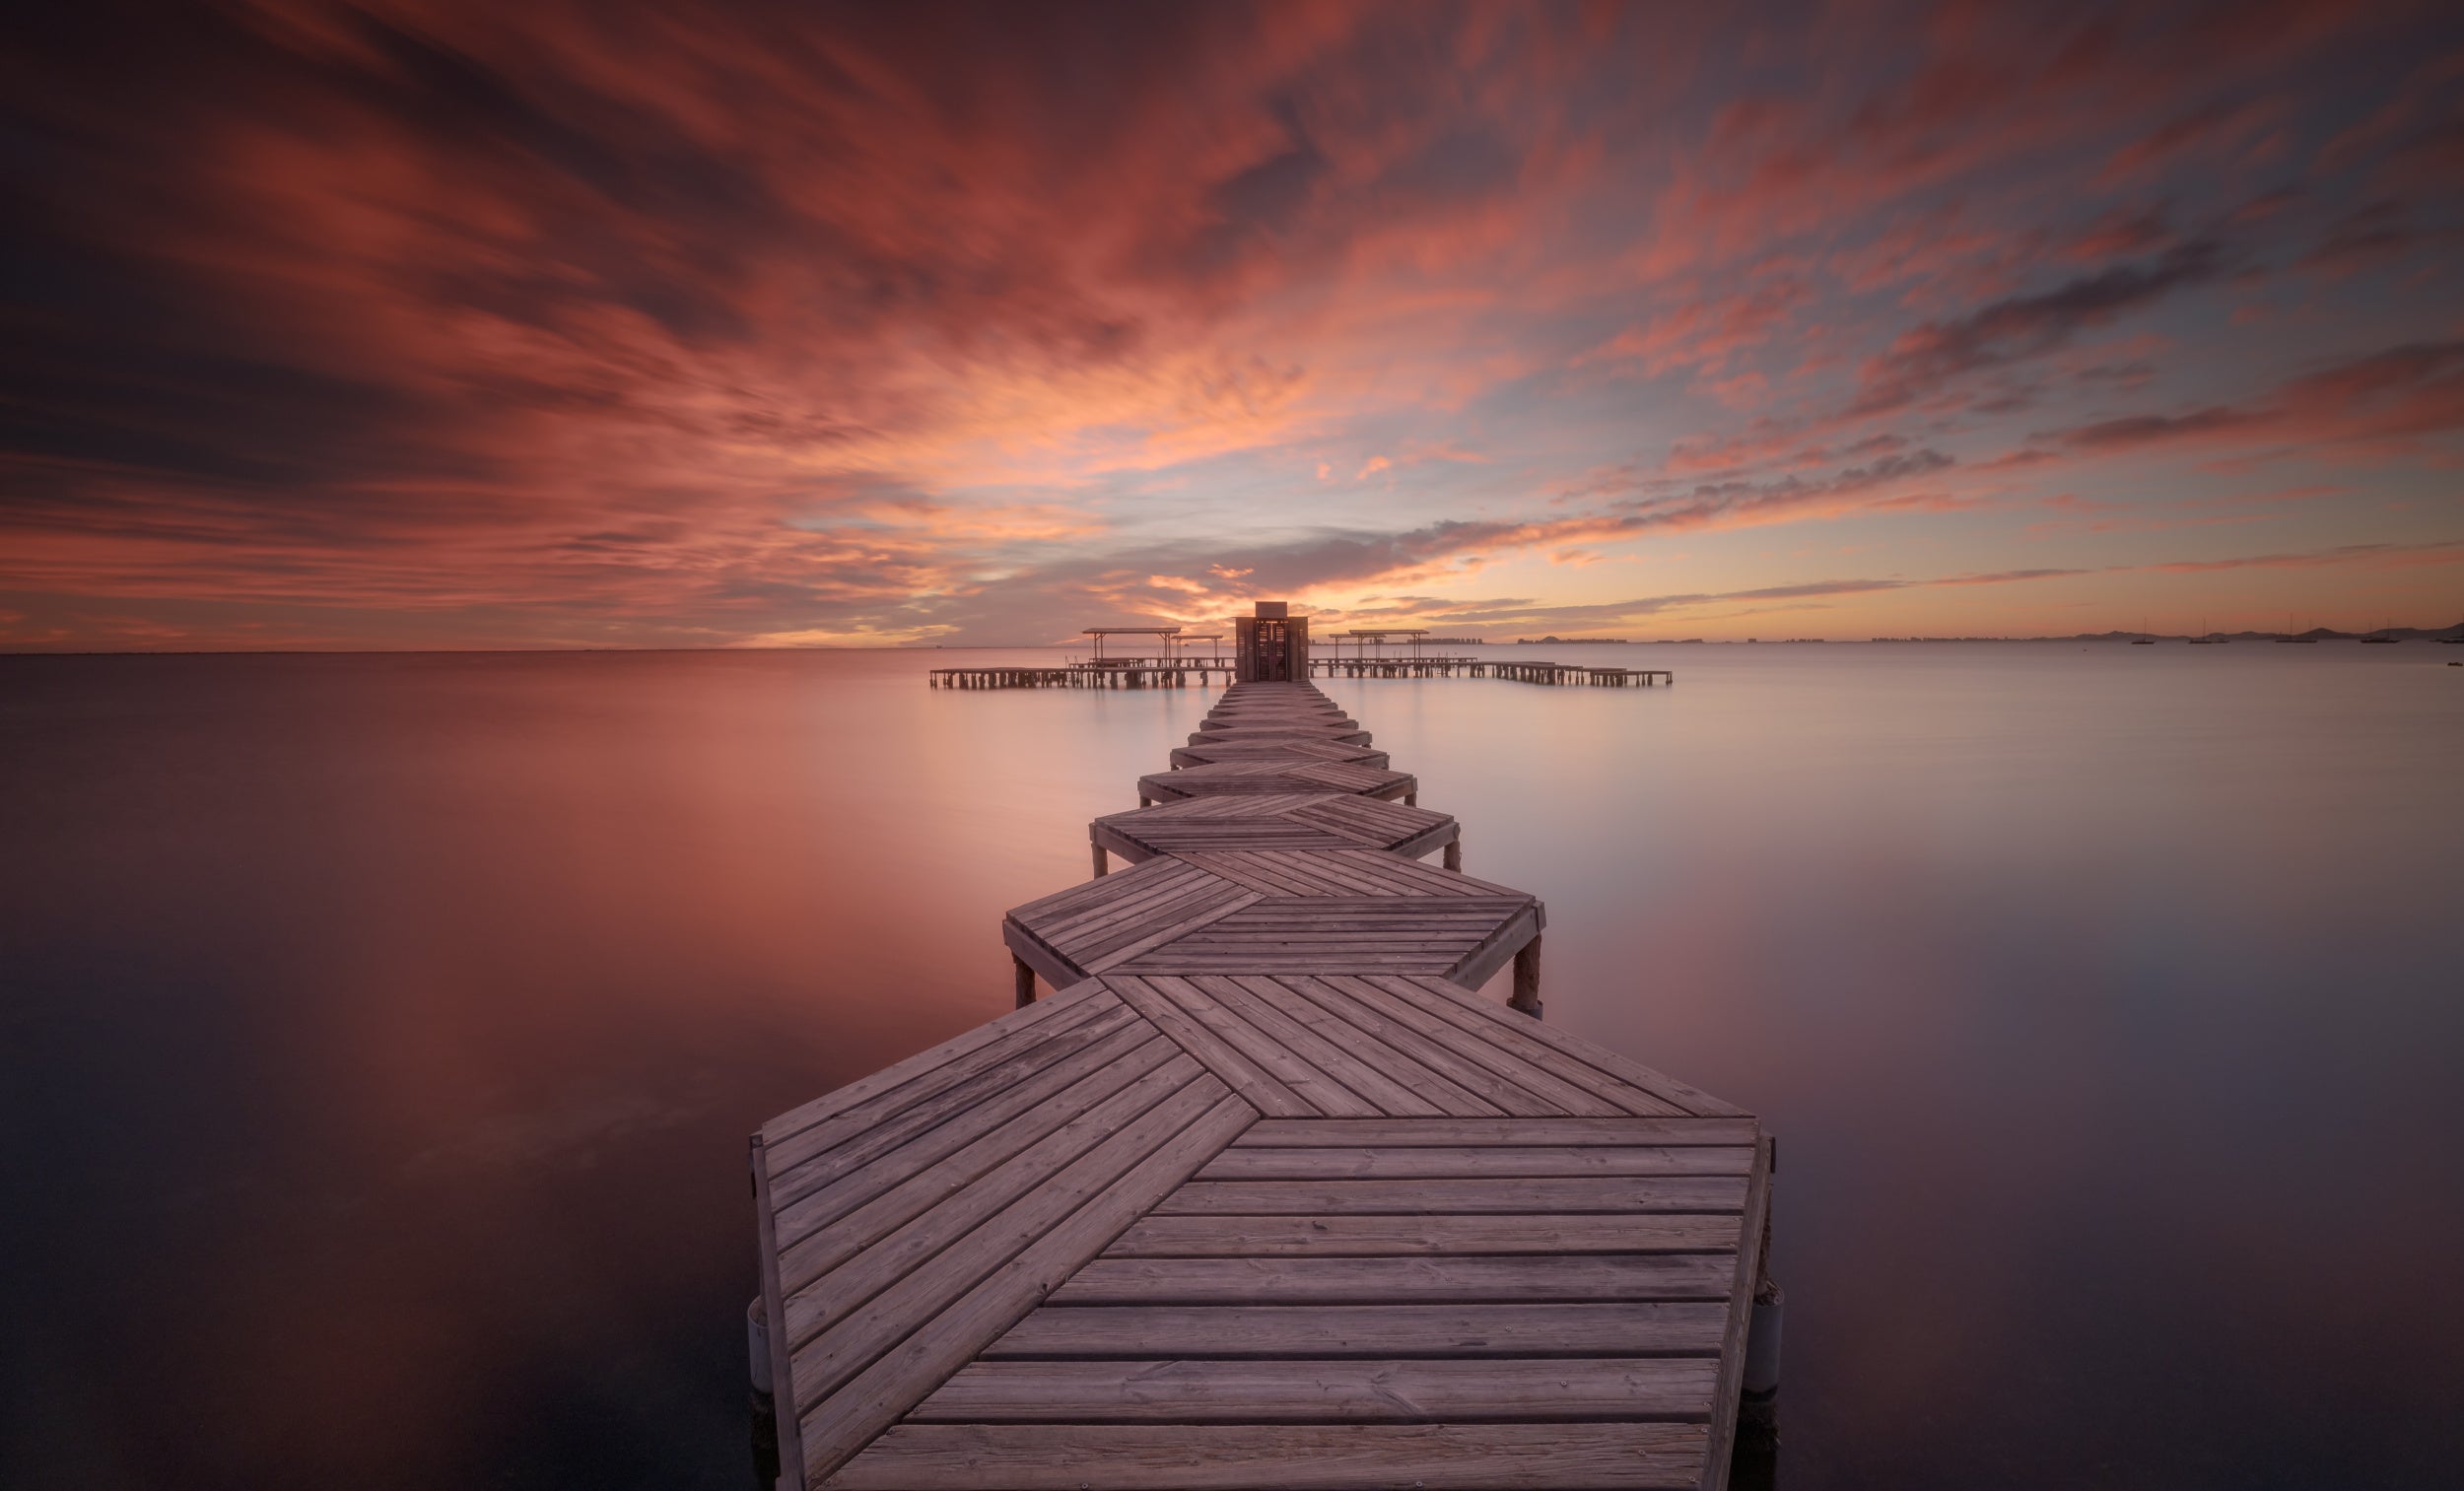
(841, 1304)
(817, 1244)
(1123, 906)
(993, 1085)
(1067, 1222)
(1688, 1327)
(1184, 922)
(1321, 1092)
(1592, 1055)
(1217, 729)
(1427, 1090)
(1500, 948)
(1435, 1162)
(1133, 1044)
(1326, 873)
(1438, 1279)
(1387, 826)
(1541, 1090)
(1391, 1133)
(1534, 1041)
(1285, 748)
(1200, 1237)
(1220, 747)
(1032, 957)
(1724, 1403)
(788, 1154)
(1185, 836)
(1326, 934)
(1286, 1457)
(1134, 898)
(1594, 1329)
(1255, 1085)
(1098, 938)
(1529, 1389)
(1010, 1028)
(1110, 896)
(1383, 1093)
(1090, 908)
(1464, 1061)
(1491, 1195)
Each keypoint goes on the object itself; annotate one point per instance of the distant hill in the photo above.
(2315, 633)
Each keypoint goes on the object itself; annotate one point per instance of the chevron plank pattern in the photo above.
(1267, 1194)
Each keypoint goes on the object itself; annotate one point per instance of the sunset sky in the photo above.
(533, 324)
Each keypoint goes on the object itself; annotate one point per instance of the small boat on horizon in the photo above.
(2143, 640)
(2206, 636)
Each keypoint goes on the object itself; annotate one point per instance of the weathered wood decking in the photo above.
(1295, 821)
(1277, 775)
(1222, 747)
(1338, 911)
(1213, 729)
(1266, 1197)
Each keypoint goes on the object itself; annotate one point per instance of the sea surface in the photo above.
(379, 1034)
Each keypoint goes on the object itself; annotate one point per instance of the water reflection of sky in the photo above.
(383, 1032)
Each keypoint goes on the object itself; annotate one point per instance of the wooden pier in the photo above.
(1178, 673)
(1577, 673)
(1113, 673)
(1267, 1194)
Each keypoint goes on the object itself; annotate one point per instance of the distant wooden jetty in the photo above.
(1177, 673)
(1265, 1195)
(1113, 673)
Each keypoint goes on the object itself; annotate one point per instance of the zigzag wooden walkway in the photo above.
(1267, 1195)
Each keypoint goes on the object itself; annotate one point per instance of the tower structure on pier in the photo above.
(1272, 647)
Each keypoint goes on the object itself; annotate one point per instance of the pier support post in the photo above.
(1758, 1390)
(1026, 981)
(1761, 1385)
(1454, 853)
(1527, 979)
(1411, 799)
(762, 1408)
(1103, 865)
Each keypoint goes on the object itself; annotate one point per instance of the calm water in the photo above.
(382, 1033)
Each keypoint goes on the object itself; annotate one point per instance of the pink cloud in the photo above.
(560, 323)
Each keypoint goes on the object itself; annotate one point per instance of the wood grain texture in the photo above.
(1450, 1163)
(1168, 1236)
(1010, 1028)
(1032, 1254)
(1542, 1390)
(1172, 1331)
(1256, 1085)
(1512, 1195)
(1401, 1133)
(1287, 1456)
(1399, 1280)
